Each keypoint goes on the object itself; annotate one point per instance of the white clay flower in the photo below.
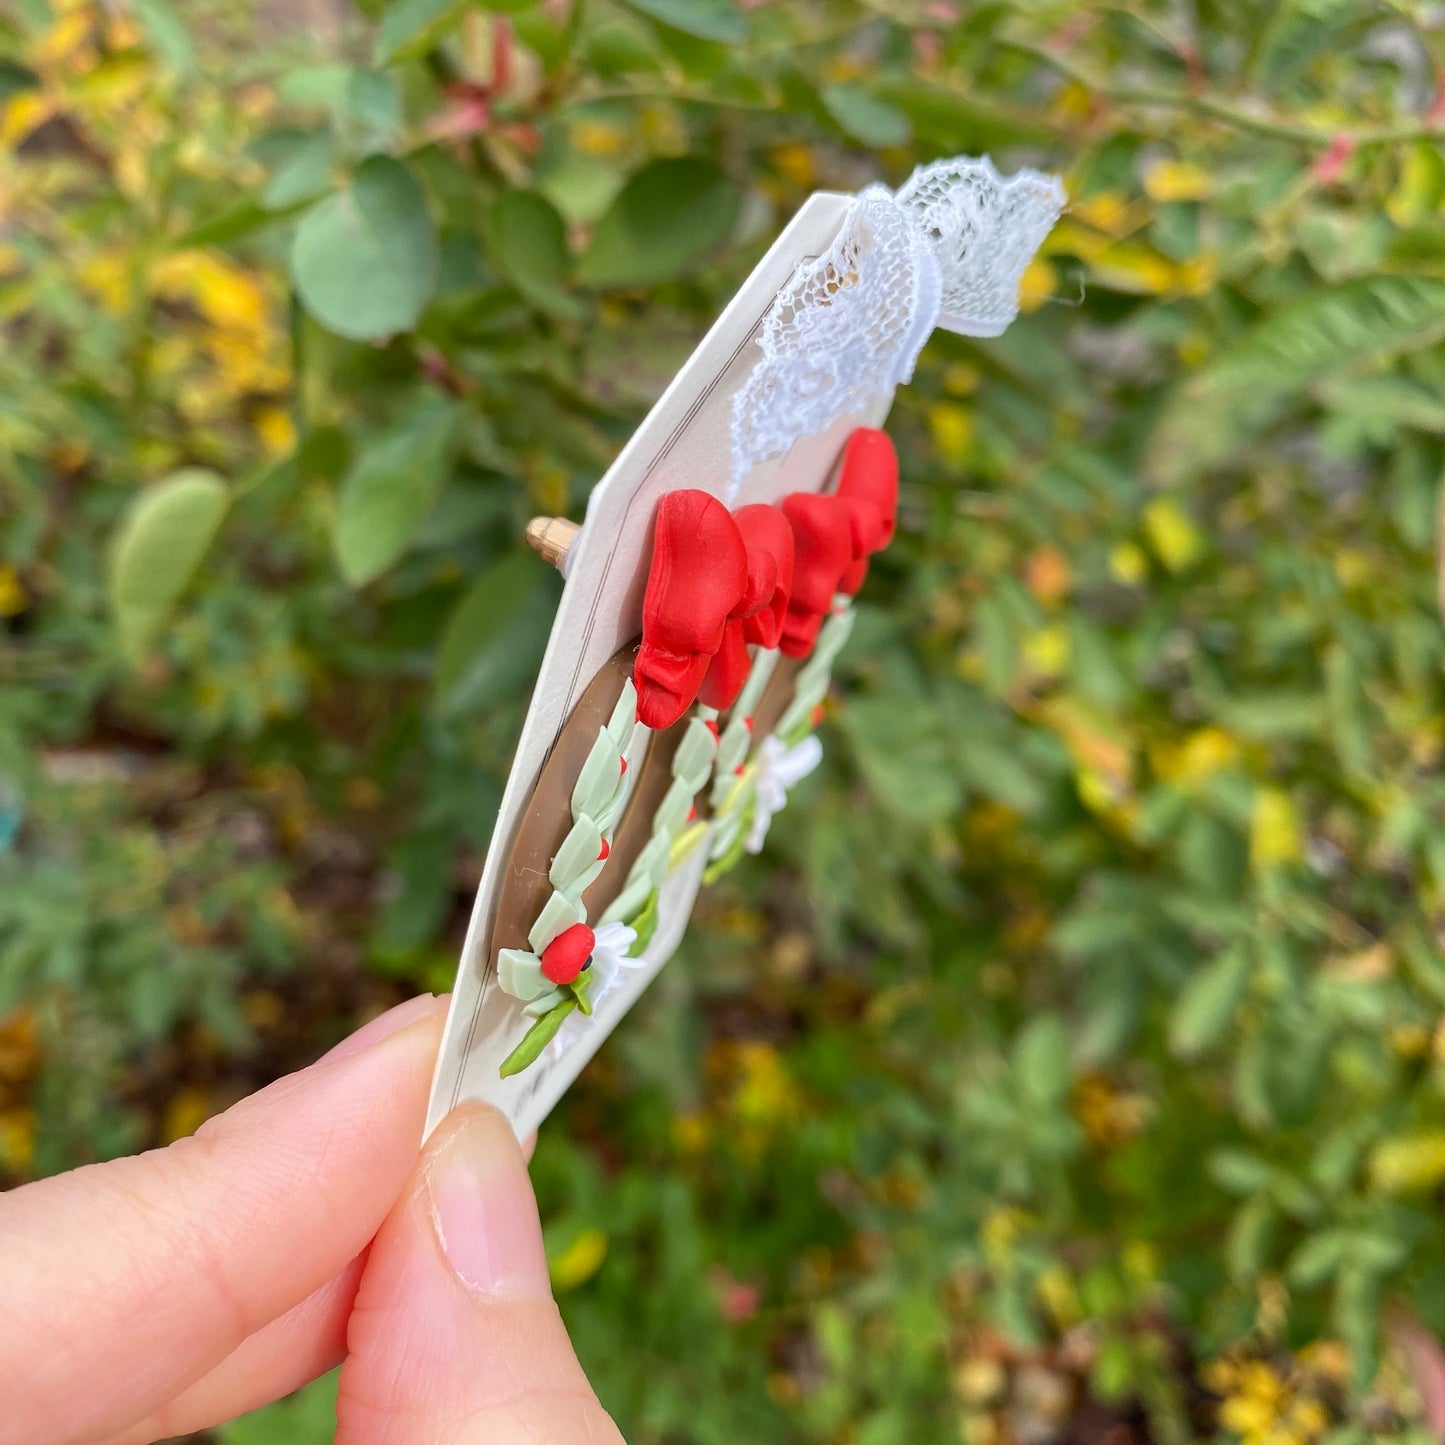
(780, 768)
(610, 957)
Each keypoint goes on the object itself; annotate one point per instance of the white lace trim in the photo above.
(947, 249)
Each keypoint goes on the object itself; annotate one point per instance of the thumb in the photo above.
(454, 1337)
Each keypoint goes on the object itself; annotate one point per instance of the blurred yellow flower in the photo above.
(1001, 1227)
(980, 1380)
(1141, 1261)
(979, 1430)
(19, 1046)
(960, 379)
(594, 138)
(1172, 534)
(1409, 1162)
(1038, 283)
(1176, 181)
(1274, 829)
(1072, 102)
(579, 1261)
(795, 163)
(1202, 753)
(223, 291)
(1047, 650)
(1135, 269)
(1109, 212)
(764, 1093)
(1128, 563)
(17, 1139)
(13, 597)
(1264, 1407)
(185, 1112)
(275, 430)
(1410, 1041)
(1059, 1295)
(22, 114)
(1196, 276)
(1110, 1116)
(1353, 567)
(67, 46)
(951, 426)
(1327, 1358)
(689, 1133)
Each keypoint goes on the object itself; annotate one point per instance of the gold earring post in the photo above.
(550, 537)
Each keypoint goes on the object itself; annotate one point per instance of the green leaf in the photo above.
(1323, 335)
(529, 244)
(243, 218)
(15, 78)
(305, 172)
(1327, 332)
(494, 638)
(901, 755)
(157, 550)
(1251, 1235)
(370, 113)
(951, 122)
(644, 924)
(1208, 1003)
(36, 14)
(365, 259)
(389, 490)
(717, 20)
(864, 117)
(1239, 1171)
(411, 26)
(1041, 1061)
(667, 219)
(1320, 1257)
(537, 1038)
(168, 33)
(364, 105)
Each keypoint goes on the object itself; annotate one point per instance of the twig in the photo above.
(1231, 114)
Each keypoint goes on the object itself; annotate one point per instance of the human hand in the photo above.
(161, 1294)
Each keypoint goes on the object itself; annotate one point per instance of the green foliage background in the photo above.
(1077, 1055)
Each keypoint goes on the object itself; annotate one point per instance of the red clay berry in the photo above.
(712, 726)
(622, 768)
(819, 713)
(604, 851)
(568, 954)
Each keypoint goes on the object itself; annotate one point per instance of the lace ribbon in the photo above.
(947, 249)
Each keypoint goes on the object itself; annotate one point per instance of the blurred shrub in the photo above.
(1091, 1030)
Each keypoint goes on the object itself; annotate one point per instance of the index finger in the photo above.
(122, 1283)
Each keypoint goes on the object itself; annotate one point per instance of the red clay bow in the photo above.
(698, 576)
(822, 536)
(758, 617)
(868, 483)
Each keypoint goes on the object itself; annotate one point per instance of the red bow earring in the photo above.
(758, 617)
(822, 536)
(868, 485)
(698, 576)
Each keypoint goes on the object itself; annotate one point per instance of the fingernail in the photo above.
(484, 1208)
(384, 1025)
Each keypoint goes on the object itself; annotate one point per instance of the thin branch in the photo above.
(1233, 115)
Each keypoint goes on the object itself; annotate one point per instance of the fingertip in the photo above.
(424, 1007)
(483, 1208)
